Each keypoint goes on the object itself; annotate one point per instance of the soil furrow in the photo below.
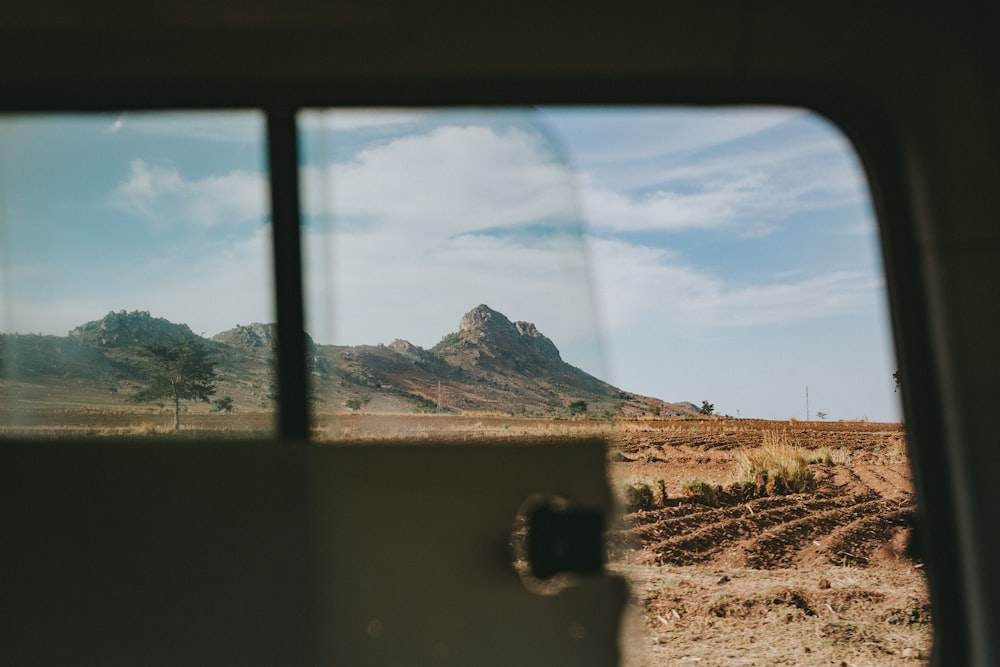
(855, 543)
(779, 546)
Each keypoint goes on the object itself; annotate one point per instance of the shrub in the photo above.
(776, 468)
(224, 404)
(638, 496)
(742, 491)
(701, 491)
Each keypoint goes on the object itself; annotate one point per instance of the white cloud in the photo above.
(117, 124)
(616, 136)
(644, 285)
(451, 180)
(661, 210)
(748, 191)
(160, 194)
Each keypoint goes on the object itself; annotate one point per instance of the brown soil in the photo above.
(819, 578)
(827, 577)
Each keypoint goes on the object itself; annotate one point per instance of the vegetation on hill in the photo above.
(490, 364)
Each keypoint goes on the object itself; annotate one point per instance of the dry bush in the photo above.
(701, 491)
(145, 428)
(822, 455)
(639, 494)
(775, 468)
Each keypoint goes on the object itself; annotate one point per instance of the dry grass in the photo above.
(775, 468)
(61, 424)
(381, 427)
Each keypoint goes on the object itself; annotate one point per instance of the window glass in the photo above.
(447, 275)
(749, 398)
(134, 247)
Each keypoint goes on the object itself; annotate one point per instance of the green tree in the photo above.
(179, 371)
(224, 404)
(578, 408)
(707, 408)
(358, 403)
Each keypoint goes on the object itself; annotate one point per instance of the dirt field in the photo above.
(820, 578)
(825, 577)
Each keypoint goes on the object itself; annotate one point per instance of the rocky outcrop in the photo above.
(124, 329)
(498, 336)
(254, 336)
(261, 340)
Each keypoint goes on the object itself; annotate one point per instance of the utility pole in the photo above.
(807, 402)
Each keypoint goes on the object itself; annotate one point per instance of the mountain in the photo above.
(489, 364)
(123, 329)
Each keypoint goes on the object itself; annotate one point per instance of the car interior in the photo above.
(263, 553)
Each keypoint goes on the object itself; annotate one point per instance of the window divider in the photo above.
(283, 163)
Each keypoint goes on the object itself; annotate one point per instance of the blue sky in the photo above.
(687, 254)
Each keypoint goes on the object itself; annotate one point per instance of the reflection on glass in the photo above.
(133, 247)
(735, 260)
(447, 274)
(744, 237)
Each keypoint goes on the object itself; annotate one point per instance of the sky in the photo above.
(726, 255)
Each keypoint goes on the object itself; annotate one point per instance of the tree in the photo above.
(578, 408)
(707, 408)
(224, 404)
(179, 371)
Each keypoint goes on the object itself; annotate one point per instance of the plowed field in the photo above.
(824, 577)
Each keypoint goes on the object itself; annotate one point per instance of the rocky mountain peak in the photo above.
(119, 329)
(483, 318)
(491, 331)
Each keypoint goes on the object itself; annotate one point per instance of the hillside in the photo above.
(489, 364)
